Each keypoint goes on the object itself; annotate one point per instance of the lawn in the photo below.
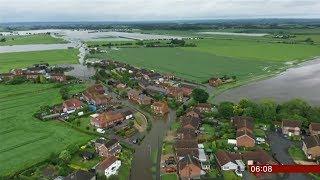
(245, 59)
(296, 153)
(230, 175)
(170, 176)
(25, 140)
(23, 59)
(31, 39)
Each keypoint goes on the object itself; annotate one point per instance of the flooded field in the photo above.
(299, 82)
(234, 34)
(34, 47)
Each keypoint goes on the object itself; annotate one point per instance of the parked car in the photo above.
(238, 173)
(101, 131)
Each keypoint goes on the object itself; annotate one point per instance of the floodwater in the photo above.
(152, 144)
(234, 34)
(79, 71)
(298, 82)
(34, 47)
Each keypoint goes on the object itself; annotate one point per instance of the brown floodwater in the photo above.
(298, 82)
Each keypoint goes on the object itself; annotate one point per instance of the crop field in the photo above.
(22, 59)
(241, 57)
(25, 140)
(31, 39)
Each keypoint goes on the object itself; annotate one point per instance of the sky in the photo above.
(140, 10)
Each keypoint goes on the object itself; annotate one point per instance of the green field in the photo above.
(25, 140)
(23, 59)
(242, 57)
(31, 39)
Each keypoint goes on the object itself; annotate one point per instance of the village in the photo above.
(121, 102)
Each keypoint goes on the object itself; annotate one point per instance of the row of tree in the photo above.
(268, 110)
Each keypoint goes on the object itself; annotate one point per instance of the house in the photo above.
(203, 158)
(139, 98)
(185, 147)
(204, 107)
(107, 119)
(107, 148)
(71, 105)
(215, 82)
(95, 95)
(311, 146)
(189, 167)
(190, 123)
(155, 90)
(121, 86)
(227, 161)
(244, 128)
(186, 89)
(81, 175)
(193, 112)
(175, 93)
(58, 77)
(160, 107)
(109, 166)
(291, 127)
(133, 94)
(258, 157)
(314, 128)
(127, 113)
(186, 133)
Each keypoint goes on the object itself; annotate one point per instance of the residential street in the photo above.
(279, 147)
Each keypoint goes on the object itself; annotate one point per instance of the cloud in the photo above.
(117, 10)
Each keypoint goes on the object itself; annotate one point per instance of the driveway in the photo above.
(279, 147)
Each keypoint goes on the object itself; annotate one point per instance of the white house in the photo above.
(109, 166)
(203, 158)
(227, 161)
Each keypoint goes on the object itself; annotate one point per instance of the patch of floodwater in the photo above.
(33, 47)
(298, 82)
(234, 34)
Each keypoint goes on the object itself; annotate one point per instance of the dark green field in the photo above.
(216, 56)
(25, 140)
(23, 59)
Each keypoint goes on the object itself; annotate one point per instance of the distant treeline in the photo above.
(170, 25)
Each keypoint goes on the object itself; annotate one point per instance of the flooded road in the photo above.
(34, 47)
(299, 82)
(148, 153)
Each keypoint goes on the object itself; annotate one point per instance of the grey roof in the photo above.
(312, 141)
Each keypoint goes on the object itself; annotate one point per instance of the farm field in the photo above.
(26, 140)
(241, 57)
(31, 39)
(23, 59)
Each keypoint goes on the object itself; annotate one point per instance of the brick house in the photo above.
(291, 127)
(189, 167)
(176, 93)
(190, 123)
(193, 113)
(58, 77)
(227, 161)
(215, 82)
(107, 119)
(187, 90)
(107, 148)
(311, 146)
(139, 98)
(71, 105)
(244, 128)
(314, 128)
(160, 107)
(204, 107)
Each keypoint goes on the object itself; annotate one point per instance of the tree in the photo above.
(65, 156)
(268, 110)
(200, 95)
(3, 40)
(64, 92)
(225, 109)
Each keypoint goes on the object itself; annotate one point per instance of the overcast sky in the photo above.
(124, 10)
